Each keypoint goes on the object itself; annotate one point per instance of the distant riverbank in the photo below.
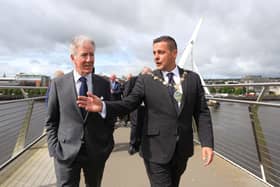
(253, 98)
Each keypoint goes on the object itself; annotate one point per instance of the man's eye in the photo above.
(87, 54)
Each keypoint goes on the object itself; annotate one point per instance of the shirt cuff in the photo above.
(103, 112)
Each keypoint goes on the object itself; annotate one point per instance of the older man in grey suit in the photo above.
(172, 97)
(78, 139)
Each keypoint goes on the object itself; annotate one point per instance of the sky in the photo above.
(236, 38)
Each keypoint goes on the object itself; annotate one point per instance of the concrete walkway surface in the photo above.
(123, 170)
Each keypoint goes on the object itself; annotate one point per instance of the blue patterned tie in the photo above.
(83, 88)
(83, 92)
(171, 84)
(171, 89)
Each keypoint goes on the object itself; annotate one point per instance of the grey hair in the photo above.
(79, 41)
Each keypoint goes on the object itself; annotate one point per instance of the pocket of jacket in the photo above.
(153, 131)
(61, 138)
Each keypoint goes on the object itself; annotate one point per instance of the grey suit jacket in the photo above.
(66, 127)
(164, 123)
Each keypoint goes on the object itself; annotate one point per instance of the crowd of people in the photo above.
(160, 104)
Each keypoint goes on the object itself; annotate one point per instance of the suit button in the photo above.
(82, 139)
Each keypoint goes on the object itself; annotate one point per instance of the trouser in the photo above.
(68, 175)
(166, 175)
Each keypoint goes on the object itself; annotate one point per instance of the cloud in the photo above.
(236, 37)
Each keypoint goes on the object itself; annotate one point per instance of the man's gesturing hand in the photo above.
(92, 103)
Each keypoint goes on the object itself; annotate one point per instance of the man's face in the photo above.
(113, 77)
(163, 57)
(128, 76)
(84, 59)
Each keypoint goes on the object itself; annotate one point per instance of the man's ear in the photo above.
(72, 57)
(174, 53)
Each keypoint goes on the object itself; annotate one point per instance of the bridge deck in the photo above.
(123, 170)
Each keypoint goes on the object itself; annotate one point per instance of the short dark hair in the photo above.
(170, 41)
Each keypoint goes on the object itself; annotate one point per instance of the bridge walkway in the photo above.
(35, 169)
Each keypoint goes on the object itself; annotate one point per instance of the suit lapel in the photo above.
(95, 86)
(158, 73)
(72, 90)
(184, 89)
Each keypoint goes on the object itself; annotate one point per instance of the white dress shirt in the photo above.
(78, 83)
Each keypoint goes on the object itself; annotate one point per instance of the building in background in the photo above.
(23, 79)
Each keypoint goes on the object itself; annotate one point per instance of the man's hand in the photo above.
(207, 155)
(92, 103)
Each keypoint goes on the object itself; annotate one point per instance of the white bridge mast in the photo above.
(188, 51)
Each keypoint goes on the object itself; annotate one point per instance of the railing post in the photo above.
(24, 129)
(260, 141)
(25, 95)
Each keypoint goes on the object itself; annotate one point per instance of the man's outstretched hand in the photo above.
(92, 103)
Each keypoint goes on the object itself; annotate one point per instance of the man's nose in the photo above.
(156, 56)
(89, 57)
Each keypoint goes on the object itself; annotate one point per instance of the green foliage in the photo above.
(239, 91)
(18, 92)
(3, 91)
(43, 91)
(231, 90)
(213, 90)
(224, 90)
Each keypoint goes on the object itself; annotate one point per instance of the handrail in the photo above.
(2, 166)
(20, 100)
(244, 84)
(25, 87)
(245, 102)
(207, 85)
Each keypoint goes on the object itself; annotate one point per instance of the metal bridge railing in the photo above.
(247, 133)
(21, 125)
